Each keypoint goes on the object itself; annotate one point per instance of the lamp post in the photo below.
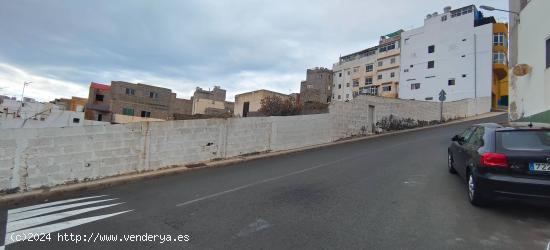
(23, 95)
(490, 8)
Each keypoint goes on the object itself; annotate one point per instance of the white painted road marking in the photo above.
(36, 212)
(32, 219)
(259, 224)
(49, 204)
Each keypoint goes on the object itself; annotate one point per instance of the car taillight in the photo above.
(494, 160)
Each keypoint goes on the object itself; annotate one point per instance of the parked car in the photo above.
(511, 160)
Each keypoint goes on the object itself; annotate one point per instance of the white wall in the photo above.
(530, 94)
(453, 39)
(45, 157)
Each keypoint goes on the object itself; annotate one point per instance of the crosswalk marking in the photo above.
(49, 204)
(34, 219)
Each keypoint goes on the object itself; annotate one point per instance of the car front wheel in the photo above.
(474, 194)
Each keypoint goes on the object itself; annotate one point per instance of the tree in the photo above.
(273, 105)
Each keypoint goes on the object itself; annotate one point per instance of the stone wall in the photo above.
(34, 158)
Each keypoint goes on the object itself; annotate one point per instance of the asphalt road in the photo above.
(390, 192)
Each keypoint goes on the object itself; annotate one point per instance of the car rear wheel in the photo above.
(474, 194)
(450, 163)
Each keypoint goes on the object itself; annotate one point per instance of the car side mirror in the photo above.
(456, 138)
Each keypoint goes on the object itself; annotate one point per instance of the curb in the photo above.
(67, 189)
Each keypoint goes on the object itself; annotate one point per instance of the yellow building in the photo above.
(499, 87)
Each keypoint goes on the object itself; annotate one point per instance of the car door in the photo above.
(471, 148)
(459, 151)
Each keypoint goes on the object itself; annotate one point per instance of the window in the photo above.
(368, 80)
(379, 76)
(76, 120)
(372, 90)
(464, 39)
(349, 72)
(387, 47)
(443, 18)
(476, 140)
(309, 86)
(406, 70)
(340, 74)
(431, 49)
(463, 56)
(339, 97)
(392, 74)
(499, 58)
(369, 67)
(99, 98)
(392, 61)
(332, 96)
(128, 111)
(524, 140)
(428, 98)
(467, 133)
(451, 82)
(411, 66)
(463, 75)
(339, 86)
(99, 117)
(499, 39)
(429, 77)
(347, 84)
(355, 69)
(347, 96)
(548, 53)
(431, 64)
(415, 86)
(386, 88)
(380, 63)
(130, 91)
(355, 82)
(154, 95)
(145, 114)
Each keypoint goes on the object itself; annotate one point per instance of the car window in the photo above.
(524, 140)
(476, 139)
(467, 133)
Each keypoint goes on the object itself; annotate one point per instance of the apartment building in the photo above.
(317, 86)
(354, 74)
(112, 103)
(459, 51)
(386, 81)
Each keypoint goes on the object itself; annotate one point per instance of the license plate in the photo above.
(535, 166)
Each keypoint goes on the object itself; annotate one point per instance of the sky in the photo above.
(241, 45)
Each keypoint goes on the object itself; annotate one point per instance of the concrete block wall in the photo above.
(45, 157)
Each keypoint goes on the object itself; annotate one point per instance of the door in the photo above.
(246, 107)
(459, 153)
(371, 118)
(471, 148)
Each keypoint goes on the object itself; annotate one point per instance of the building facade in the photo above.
(459, 51)
(530, 57)
(354, 74)
(386, 80)
(210, 102)
(372, 71)
(134, 100)
(317, 86)
(247, 104)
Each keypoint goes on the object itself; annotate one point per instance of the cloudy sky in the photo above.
(242, 45)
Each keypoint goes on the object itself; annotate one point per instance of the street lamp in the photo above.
(489, 8)
(23, 93)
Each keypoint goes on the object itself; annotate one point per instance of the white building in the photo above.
(32, 114)
(530, 81)
(451, 52)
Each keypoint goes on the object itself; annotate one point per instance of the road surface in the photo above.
(390, 192)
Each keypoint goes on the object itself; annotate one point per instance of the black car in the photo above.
(511, 160)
